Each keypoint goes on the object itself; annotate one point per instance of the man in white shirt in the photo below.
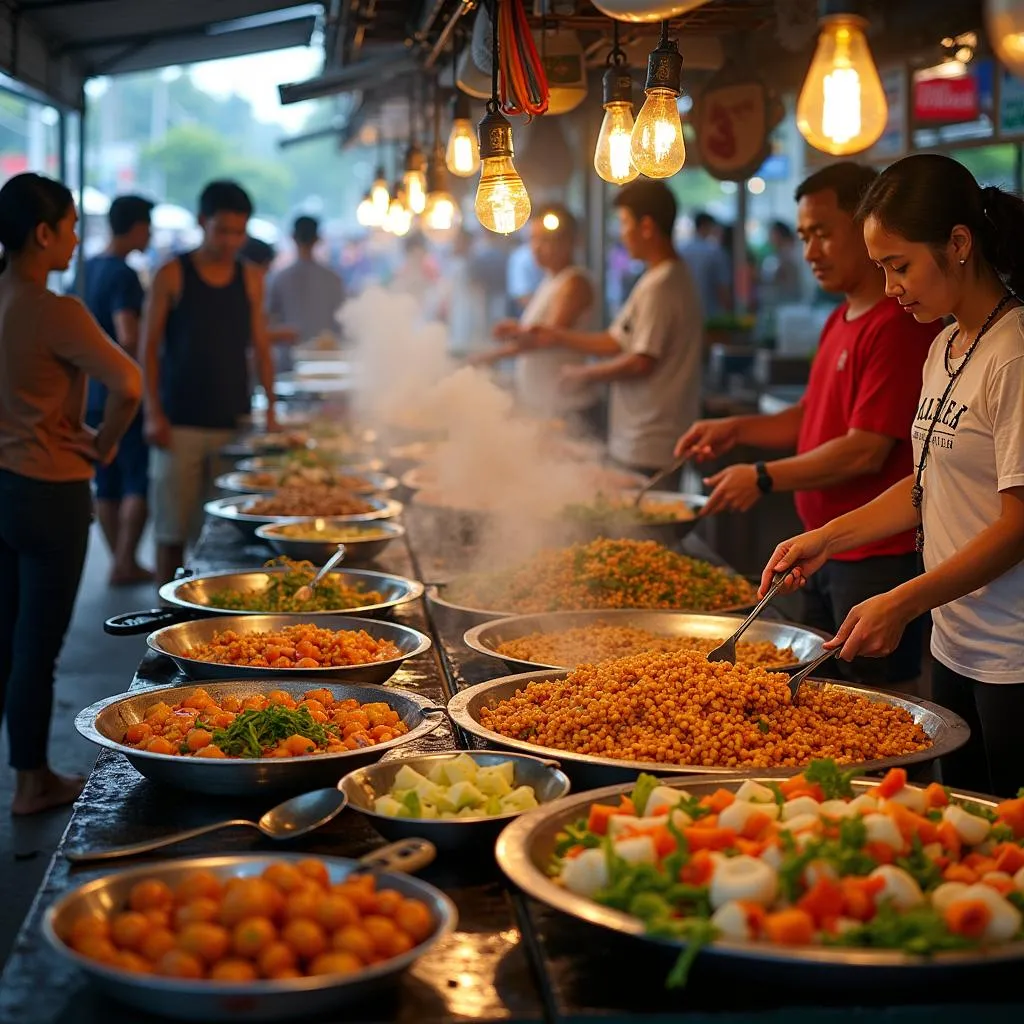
(652, 350)
(306, 294)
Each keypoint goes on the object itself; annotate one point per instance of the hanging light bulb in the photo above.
(366, 213)
(414, 181)
(1004, 20)
(379, 194)
(441, 216)
(398, 213)
(842, 108)
(656, 143)
(462, 156)
(612, 159)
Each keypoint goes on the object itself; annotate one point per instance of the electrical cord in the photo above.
(524, 83)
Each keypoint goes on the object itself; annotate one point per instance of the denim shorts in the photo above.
(128, 475)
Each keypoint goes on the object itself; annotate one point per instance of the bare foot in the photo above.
(130, 577)
(44, 789)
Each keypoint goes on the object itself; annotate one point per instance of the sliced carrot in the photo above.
(911, 824)
(710, 838)
(882, 852)
(751, 847)
(698, 869)
(1009, 858)
(813, 790)
(664, 841)
(979, 863)
(755, 915)
(947, 834)
(823, 900)
(935, 796)
(792, 927)
(755, 825)
(600, 814)
(626, 806)
(1011, 812)
(791, 785)
(718, 801)
(859, 895)
(1003, 886)
(895, 779)
(960, 873)
(969, 918)
(708, 821)
(573, 852)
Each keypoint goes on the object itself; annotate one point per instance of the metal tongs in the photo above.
(796, 679)
(657, 478)
(305, 592)
(726, 651)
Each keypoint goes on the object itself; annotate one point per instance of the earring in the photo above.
(962, 262)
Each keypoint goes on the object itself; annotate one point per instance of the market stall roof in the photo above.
(54, 45)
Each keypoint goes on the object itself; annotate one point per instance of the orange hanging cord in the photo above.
(524, 83)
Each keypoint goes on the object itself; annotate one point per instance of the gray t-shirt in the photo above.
(711, 272)
(305, 295)
(662, 318)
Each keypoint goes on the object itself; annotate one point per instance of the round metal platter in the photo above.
(526, 846)
(207, 1001)
(106, 722)
(194, 592)
(233, 510)
(486, 638)
(357, 462)
(174, 641)
(947, 731)
(239, 483)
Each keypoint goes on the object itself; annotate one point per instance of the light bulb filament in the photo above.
(840, 119)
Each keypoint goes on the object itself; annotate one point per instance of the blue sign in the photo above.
(775, 168)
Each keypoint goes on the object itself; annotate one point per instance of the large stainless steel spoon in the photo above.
(295, 817)
(796, 679)
(305, 593)
(656, 479)
(726, 651)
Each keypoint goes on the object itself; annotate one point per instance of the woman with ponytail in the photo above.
(49, 345)
(950, 248)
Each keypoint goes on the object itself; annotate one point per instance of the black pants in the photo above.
(992, 760)
(837, 587)
(44, 532)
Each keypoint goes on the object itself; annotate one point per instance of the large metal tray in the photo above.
(209, 1001)
(357, 462)
(105, 723)
(174, 640)
(370, 483)
(525, 847)
(947, 731)
(233, 510)
(485, 639)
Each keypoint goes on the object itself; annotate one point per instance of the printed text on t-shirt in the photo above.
(946, 425)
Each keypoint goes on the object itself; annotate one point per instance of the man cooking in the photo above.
(851, 431)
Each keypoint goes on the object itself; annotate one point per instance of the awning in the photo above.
(54, 45)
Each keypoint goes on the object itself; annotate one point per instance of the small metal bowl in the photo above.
(106, 722)
(209, 1001)
(240, 482)
(368, 541)
(364, 785)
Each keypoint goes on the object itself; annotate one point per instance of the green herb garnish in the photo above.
(920, 866)
(835, 784)
(575, 834)
(645, 786)
(252, 732)
(920, 930)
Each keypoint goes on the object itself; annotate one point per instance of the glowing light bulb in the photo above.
(656, 145)
(366, 213)
(462, 157)
(613, 159)
(380, 196)
(415, 184)
(842, 108)
(502, 202)
(441, 216)
(1004, 20)
(398, 214)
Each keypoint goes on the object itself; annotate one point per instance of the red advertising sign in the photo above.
(946, 100)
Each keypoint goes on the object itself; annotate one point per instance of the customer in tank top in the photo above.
(951, 248)
(564, 298)
(204, 313)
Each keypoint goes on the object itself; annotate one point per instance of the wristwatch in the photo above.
(764, 478)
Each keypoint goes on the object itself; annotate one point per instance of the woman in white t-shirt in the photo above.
(952, 249)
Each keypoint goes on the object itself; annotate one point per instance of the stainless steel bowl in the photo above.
(233, 510)
(486, 638)
(176, 640)
(252, 1001)
(580, 531)
(372, 540)
(947, 731)
(525, 848)
(357, 462)
(369, 483)
(364, 785)
(106, 722)
(194, 592)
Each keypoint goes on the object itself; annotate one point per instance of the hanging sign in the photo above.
(735, 116)
(1011, 104)
(946, 100)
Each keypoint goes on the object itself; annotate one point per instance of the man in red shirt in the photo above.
(852, 429)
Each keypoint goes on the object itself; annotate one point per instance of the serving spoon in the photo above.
(726, 651)
(656, 479)
(305, 592)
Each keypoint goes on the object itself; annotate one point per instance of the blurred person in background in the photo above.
(710, 265)
(465, 300)
(49, 345)
(203, 315)
(281, 337)
(565, 298)
(523, 277)
(114, 295)
(851, 431)
(306, 295)
(781, 275)
(650, 355)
